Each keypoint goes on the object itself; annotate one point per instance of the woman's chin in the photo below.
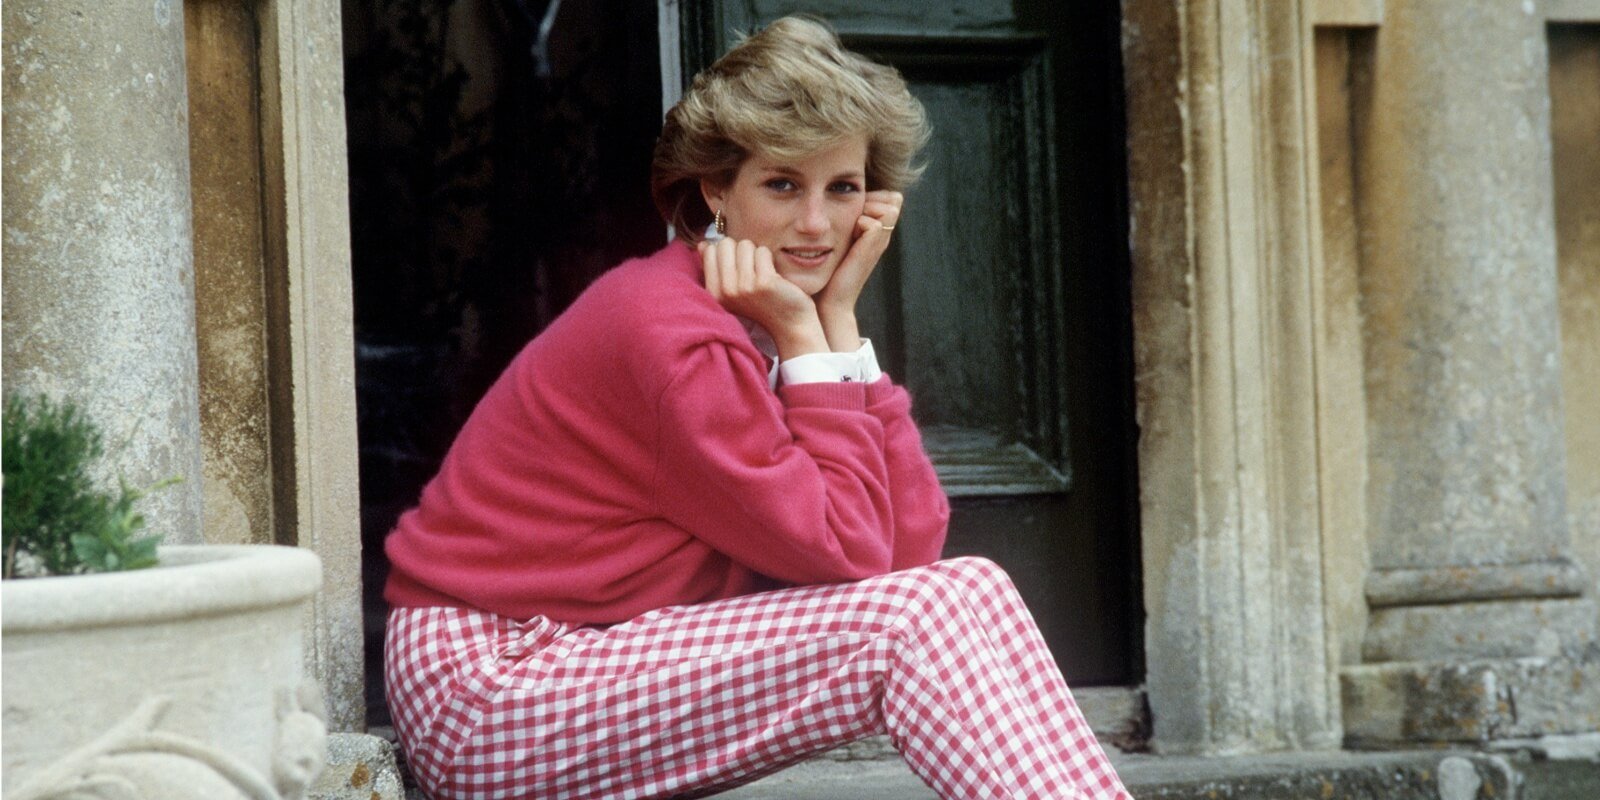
(810, 282)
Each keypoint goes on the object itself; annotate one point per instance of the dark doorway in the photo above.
(494, 172)
(493, 178)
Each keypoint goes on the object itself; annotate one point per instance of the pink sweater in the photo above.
(632, 456)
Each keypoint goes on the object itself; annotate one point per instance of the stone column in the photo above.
(99, 283)
(1478, 627)
(1225, 355)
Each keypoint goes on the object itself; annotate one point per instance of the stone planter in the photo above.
(179, 681)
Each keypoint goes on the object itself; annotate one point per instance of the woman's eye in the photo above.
(844, 187)
(780, 184)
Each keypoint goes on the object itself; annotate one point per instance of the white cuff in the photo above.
(862, 365)
(869, 362)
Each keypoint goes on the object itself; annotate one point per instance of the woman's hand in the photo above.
(836, 303)
(741, 277)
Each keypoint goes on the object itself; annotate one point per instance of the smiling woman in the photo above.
(815, 236)
(691, 535)
(804, 211)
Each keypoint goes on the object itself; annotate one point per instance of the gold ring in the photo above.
(888, 227)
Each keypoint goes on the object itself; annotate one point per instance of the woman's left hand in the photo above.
(836, 303)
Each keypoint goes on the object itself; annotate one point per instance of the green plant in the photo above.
(56, 519)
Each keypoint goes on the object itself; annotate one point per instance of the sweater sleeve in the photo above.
(794, 486)
(921, 509)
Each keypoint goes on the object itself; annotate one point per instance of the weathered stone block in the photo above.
(1557, 577)
(1405, 703)
(1494, 629)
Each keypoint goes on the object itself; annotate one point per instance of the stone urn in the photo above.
(180, 681)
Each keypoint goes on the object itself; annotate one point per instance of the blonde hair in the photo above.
(787, 91)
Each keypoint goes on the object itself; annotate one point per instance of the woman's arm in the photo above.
(740, 276)
(836, 304)
(922, 512)
(794, 486)
(921, 509)
(832, 476)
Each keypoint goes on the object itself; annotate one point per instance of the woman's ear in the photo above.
(713, 194)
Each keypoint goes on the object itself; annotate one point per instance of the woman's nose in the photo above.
(813, 217)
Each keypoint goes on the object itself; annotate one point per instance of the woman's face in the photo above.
(804, 211)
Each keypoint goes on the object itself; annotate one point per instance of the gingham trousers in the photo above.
(686, 701)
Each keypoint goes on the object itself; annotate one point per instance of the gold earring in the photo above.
(720, 223)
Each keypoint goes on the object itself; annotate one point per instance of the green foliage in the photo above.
(56, 520)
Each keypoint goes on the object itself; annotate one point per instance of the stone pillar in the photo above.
(1478, 628)
(99, 283)
(1226, 377)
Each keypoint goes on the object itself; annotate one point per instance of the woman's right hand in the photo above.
(741, 277)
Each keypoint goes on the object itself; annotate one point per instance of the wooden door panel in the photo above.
(966, 309)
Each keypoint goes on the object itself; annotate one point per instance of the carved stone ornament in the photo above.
(135, 761)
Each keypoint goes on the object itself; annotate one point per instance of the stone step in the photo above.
(1342, 775)
(871, 770)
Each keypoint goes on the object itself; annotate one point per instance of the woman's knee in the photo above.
(936, 589)
(973, 565)
(976, 575)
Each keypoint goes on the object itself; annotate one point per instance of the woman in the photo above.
(577, 604)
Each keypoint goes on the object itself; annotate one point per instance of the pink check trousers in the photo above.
(687, 701)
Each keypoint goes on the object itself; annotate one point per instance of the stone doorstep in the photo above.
(1116, 714)
(1341, 775)
(1557, 768)
(363, 767)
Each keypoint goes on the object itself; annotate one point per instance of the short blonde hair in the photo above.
(788, 91)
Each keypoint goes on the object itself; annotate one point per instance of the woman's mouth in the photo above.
(809, 257)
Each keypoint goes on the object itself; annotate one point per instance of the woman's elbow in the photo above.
(850, 558)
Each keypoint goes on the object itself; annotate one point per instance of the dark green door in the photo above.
(1003, 304)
